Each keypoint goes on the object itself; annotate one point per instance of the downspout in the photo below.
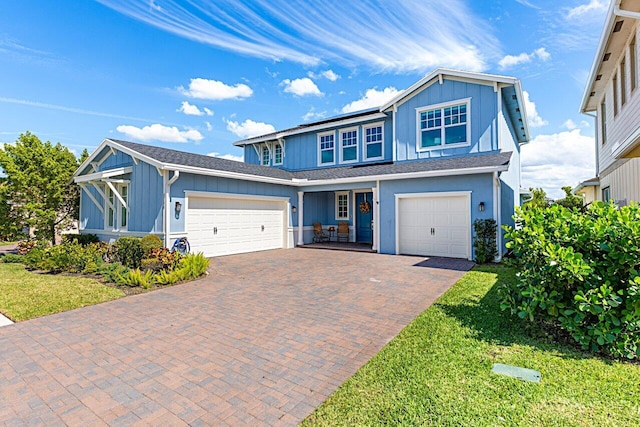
(167, 202)
(497, 213)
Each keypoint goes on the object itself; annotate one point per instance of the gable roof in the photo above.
(514, 106)
(612, 43)
(174, 160)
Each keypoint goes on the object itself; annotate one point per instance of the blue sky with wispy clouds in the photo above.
(198, 75)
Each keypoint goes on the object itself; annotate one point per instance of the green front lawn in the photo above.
(437, 372)
(25, 295)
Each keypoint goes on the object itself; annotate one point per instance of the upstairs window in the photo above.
(623, 81)
(615, 95)
(277, 154)
(326, 148)
(349, 145)
(373, 140)
(342, 205)
(632, 64)
(442, 127)
(603, 121)
(265, 156)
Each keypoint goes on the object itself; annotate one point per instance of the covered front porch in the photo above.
(357, 207)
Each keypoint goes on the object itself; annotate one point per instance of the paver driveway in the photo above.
(263, 340)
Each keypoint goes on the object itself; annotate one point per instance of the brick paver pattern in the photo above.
(263, 340)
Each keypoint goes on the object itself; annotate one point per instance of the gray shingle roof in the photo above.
(182, 158)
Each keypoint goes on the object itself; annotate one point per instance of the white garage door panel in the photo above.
(448, 216)
(240, 225)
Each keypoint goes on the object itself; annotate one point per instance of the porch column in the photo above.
(300, 216)
(376, 220)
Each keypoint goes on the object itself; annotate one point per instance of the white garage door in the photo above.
(434, 226)
(221, 226)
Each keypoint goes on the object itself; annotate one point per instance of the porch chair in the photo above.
(343, 232)
(319, 235)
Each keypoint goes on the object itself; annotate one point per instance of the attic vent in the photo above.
(618, 26)
(606, 56)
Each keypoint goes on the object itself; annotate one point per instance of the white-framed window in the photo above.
(603, 120)
(632, 64)
(116, 213)
(443, 126)
(326, 148)
(606, 194)
(623, 81)
(342, 205)
(277, 154)
(373, 141)
(349, 145)
(264, 161)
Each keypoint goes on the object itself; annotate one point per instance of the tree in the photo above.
(39, 184)
(570, 201)
(538, 199)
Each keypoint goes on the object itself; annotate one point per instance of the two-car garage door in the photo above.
(225, 226)
(434, 225)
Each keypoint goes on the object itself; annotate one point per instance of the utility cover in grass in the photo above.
(517, 372)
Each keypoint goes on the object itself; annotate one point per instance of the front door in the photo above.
(364, 216)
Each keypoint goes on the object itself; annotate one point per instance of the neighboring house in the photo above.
(589, 190)
(612, 95)
(409, 177)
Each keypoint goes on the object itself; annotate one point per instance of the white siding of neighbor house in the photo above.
(624, 181)
(628, 118)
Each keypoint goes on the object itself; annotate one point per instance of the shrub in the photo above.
(12, 259)
(485, 245)
(164, 277)
(168, 260)
(150, 242)
(137, 278)
(192, 266)
(151, 264)
(112, 272)
(82, 239)
(129, 251)
(26, 246)
(579, 271)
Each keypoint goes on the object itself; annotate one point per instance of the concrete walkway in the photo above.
(263, 340)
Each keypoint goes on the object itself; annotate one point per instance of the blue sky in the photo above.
(198, 75)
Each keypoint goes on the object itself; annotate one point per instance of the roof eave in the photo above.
(604, 37)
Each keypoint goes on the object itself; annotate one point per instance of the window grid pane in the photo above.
(343, 206)
(265, 156)
(326, 149)
(437, 132)
(278, 155)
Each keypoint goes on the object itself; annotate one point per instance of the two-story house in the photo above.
(408, 177)
(612, 97)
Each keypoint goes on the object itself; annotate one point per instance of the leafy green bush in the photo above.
(150, 242)
(580, 272)
(112, 272)
(164, 277)
(484, 243)
(129, 251)
(82, 239)
(192, 266)
(12, 259)
(137, 278)
(168, 260)
(25, 246)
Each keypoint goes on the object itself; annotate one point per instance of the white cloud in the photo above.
(209, 126)
(533, 117)
(193, 110)
(327, 74)
(571, 125)
(158, 132)
(313, 114)
(249, 128)
(583, 9)
(391, 37)
(552, 161)
(513, 60)
(372, 98)
(227, 156)
(215, 90)
(301, 87)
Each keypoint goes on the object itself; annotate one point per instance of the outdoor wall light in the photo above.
(294, 209)
(178, 206)
(481, 207)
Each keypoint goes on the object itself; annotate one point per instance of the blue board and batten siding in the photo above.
(301, 151)
(482, 117)
(145, 200)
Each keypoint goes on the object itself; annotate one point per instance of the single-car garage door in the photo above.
(225, 226)
(434, 225)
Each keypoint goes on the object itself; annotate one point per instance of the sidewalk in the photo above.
(4, 321)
